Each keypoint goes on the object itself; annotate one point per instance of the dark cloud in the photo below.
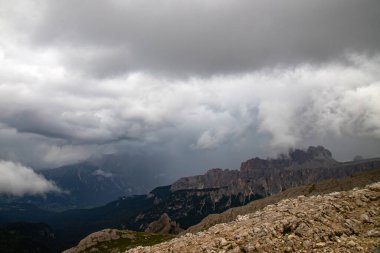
(32, 122)
(286, 105)
(197, 38)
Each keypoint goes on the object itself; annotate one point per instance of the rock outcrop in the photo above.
(214, 178)
(164, 225)
(105, 235)
(347, 221)
(115, 240)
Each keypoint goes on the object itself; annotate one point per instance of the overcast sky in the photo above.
(200, 83)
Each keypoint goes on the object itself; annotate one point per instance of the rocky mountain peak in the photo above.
(312, 157)
(312, 153)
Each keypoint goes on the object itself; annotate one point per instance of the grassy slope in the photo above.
(356, 180)
(122, 244)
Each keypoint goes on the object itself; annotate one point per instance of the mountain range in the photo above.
(188, 200)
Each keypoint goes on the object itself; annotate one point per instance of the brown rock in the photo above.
(164, 225)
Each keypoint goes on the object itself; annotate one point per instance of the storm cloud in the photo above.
(208, 83)
(205, 38)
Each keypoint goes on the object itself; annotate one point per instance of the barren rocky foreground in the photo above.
(347, 221)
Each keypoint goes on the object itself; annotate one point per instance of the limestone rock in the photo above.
(164, 225)
(93, 239)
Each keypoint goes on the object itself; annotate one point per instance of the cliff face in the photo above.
(214, 178)
(346, 221)
(187, 207)
(268, 176)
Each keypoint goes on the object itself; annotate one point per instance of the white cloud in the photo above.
(100, 172)
(19, 180)
(61, 155)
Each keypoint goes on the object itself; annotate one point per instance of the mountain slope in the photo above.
(346, 221)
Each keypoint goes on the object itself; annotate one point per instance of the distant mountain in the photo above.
(96, 182)
(89, 185)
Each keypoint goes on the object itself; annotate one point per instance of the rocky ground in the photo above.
(347, 221)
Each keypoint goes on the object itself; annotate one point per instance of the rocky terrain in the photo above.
(346, 221)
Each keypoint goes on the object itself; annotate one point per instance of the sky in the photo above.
(199, 84)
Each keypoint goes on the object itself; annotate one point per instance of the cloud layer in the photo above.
(288, 104)
(196, 38)
(19, 180)
(203, 82)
